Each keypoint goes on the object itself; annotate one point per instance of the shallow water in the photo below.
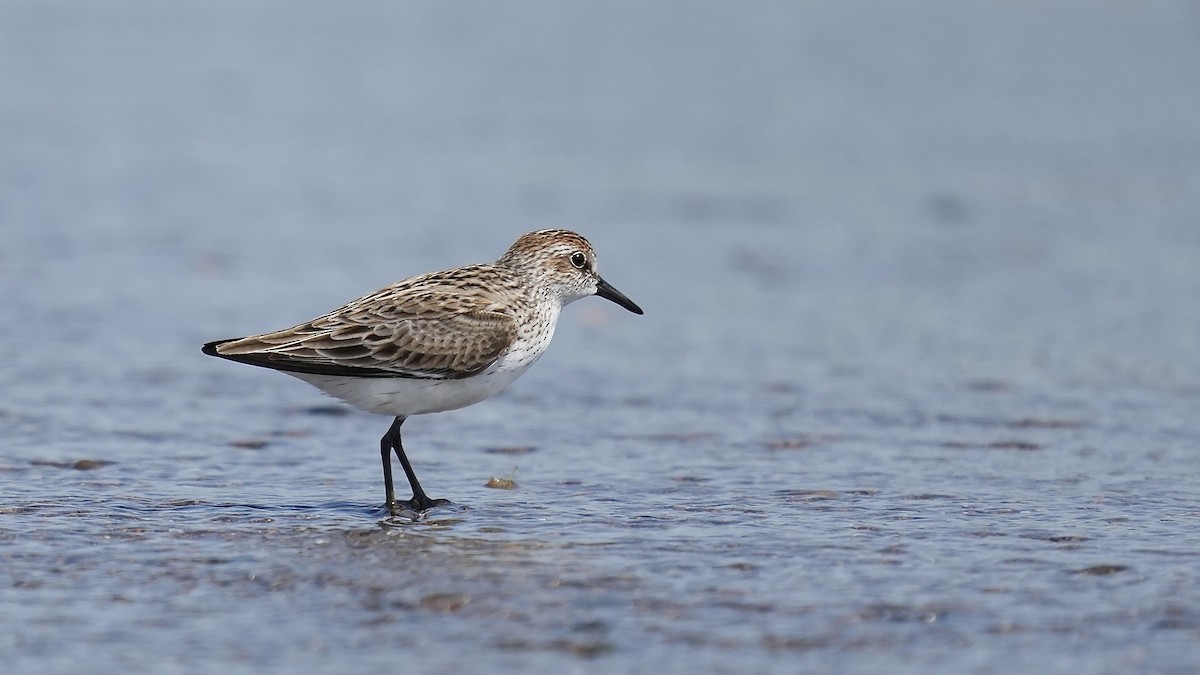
(916, 389)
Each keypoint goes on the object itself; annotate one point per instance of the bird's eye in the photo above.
(579, 260)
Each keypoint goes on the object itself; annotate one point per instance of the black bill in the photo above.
(606, 291)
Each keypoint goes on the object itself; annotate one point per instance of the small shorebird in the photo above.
(435, 342)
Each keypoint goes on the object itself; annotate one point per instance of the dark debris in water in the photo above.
(445, 602)
(1034, 423)
(1014, 445)
(250, 444)
(588, 649)
(79, 465)
(507, 483)
(511, 450)
(1101, 570)
(1058, 538)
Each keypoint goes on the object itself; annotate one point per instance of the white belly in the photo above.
(406, 396)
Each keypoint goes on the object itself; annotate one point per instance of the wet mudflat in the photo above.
(917, 387)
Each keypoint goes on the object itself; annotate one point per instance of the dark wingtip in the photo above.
(211, 347)
(283, 363)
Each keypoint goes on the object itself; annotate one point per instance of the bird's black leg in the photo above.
(391, 441)
(385, 450)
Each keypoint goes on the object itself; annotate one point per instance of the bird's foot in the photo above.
(418, 504)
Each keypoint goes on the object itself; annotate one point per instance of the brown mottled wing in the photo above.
(423, 327)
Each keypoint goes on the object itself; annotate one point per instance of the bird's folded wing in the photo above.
(365, 344)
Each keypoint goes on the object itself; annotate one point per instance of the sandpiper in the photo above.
(435, 342)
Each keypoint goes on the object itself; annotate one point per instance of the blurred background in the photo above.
(932, 250)
(1003, 185)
